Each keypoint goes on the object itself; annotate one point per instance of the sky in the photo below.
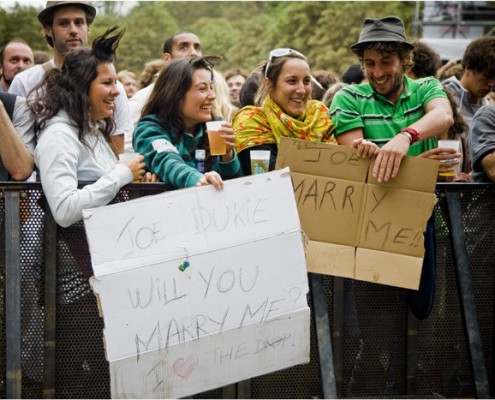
(35, 3)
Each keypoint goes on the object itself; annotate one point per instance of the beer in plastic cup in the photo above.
(451, 144)
(260, 161)
(217, 143)
(129, 157)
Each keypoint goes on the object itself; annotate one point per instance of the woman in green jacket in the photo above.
(173, 126)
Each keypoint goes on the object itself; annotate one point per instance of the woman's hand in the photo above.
(137, 167)
(463, 177)
(229, 138)
(211, 178)
(150, 178)
(448, 158)
(365, 148)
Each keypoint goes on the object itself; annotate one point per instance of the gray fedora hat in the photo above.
(386, 29)
(51, 6)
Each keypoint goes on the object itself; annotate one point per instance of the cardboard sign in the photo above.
(185, 280)
(359, 228)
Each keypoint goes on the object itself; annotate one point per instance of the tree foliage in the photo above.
(148, 25)
(242, 32)
(22, 22)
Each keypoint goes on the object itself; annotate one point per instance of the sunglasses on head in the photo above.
(281, 53)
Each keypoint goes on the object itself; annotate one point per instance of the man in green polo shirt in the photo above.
(391, 116)
(391, 111)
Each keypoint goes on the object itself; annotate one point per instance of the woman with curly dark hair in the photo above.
(74, 109)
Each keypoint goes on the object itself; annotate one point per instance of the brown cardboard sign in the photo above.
(327, 203)
(393, 220)
(359, 228)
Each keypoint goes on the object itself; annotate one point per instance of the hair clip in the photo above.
(185, 264)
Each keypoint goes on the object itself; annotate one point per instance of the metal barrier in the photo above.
(364, 342)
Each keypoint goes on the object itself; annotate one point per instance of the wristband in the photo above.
(406, 134)
(412, 133)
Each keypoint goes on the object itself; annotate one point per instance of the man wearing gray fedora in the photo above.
(394, 113)
(391, 116)
(66, 26)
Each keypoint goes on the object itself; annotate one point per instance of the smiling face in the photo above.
(292, 89)
(385, 73)
(103, 92)
(69, 29)
(197, 103)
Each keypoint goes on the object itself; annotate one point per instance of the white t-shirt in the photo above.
(136, 104)
(25, 81)
(23, 122)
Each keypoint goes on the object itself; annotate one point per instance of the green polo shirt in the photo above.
(359, 106)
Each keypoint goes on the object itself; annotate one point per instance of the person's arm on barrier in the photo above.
(481, 144)
(488, 164)
(16, 158)
(438, 118)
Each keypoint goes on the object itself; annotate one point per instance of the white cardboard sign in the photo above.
(201, 288)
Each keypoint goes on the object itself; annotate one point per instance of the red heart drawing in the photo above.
(185, 367)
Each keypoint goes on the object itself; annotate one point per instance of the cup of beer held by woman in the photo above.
(217, 143)
(454, 145)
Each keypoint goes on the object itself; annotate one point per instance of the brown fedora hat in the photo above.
(51, 6)
(386, 29)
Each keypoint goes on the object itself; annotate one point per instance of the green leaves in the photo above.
(242, 32)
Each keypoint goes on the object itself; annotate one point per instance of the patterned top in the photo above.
(254, 126)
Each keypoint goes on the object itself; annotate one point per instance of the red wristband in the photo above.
(414, 134)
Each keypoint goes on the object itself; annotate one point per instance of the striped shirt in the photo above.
(174, 163)
(359, 106)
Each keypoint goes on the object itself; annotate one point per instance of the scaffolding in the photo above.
(455, 19)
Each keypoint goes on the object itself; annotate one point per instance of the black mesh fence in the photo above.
(371, 342)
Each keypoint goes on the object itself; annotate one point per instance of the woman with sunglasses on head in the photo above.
(283, 107)
(73, 110)
(173, 126)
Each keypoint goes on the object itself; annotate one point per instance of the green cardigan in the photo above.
(174, 163)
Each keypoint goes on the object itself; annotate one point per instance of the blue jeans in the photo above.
(421, 301)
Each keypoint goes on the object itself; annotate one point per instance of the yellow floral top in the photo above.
(254, 126)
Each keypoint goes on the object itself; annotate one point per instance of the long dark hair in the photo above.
(67, 89)
(169, 93)
(170, 90)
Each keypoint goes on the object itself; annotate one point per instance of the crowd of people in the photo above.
(69, 118)
(253, 101)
